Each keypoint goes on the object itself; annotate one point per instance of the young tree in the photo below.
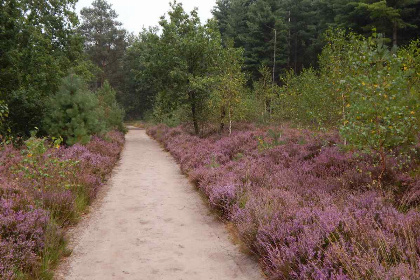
(74, 112)
(230, 85)
(113, 113)
(187, 59)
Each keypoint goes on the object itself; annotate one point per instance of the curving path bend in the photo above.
(151, 224)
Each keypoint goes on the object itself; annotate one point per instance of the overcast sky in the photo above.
(134, 14)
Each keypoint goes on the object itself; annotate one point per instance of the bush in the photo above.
(74, 113)
(113, 112)
(306, 208)
(44, 187)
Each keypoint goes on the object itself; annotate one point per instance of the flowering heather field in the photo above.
(307, 209)
(43, 189)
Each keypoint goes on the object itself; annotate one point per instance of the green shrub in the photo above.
(368, 91)
(381, 109)
(113, 112)
(74, 112)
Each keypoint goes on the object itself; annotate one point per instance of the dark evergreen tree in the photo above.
(105, 41)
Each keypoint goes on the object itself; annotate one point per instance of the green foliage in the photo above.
(381, 110)
(362, 87)
(4, 113)
(141, 75)
(74, 112)
(301, 23)
(38, 45)
(185, 65)
(230, 83)
(265, 90)
(113, 113)
(105, 42)
(38, 165)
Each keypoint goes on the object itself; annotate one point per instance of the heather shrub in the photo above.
(22, 232)
(307, 208)
(44, 187)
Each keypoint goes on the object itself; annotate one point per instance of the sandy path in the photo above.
(152, 224)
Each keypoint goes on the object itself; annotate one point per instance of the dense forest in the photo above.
(308, 89)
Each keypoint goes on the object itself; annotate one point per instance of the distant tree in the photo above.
(300, 25)
(113, 113)
(141, 76)
(388, 16)
(289, 30)
(105, 41)
(4, 113)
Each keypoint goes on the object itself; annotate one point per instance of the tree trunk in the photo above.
(230, 122)
(383, 165)
(222, 118)
(194, 113)
(296, 53)
(395, 35)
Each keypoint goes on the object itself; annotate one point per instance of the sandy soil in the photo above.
(152, 224)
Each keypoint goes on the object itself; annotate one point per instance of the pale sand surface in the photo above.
(152, 224)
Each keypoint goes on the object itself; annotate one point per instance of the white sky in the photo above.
(136, 14)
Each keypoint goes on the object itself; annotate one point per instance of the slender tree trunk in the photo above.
(343, 97)
(230, 122)
(383, 165)
(289, 44)
(395, 35)
(194, 112)
(296, 53)
(222, 118)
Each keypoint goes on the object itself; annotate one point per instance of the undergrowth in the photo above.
(305, 204)
(45, 187)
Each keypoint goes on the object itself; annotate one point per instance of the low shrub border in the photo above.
(307, 208)
(44, 188)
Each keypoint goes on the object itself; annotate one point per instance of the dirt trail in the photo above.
(152, 224)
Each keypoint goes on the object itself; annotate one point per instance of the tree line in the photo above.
(56, 72)
(275, 34)
(237, 66)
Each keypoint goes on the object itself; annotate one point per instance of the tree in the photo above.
(113, 113)
(105, 41)
(285, 34)
(38, 47)
(4, 113)
(388, 15)
(230, 85)
(188, 52)
(141, 76)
